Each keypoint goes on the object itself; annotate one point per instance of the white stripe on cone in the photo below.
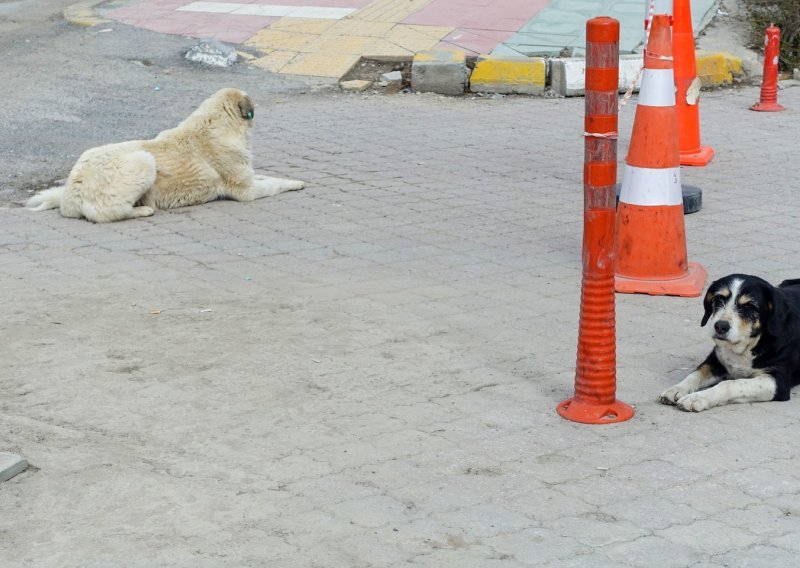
(658, 88)
(651, 186)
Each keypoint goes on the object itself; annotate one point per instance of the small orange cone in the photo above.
(688, 86)
(651, 237)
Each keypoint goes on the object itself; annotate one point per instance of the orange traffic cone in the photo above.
(688, 86)
(651, 237)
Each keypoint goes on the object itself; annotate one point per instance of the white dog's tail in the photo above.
(47, 199)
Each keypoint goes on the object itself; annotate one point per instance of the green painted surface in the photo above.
(560, 28)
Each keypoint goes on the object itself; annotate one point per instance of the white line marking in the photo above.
(318, 12)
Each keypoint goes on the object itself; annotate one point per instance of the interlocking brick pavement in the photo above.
(365, 373)
(327, 38)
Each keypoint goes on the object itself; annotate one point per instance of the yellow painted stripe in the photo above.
(490, 71)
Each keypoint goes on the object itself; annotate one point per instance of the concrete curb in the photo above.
(714, 70)
(442, 71)
(509, 75)
(568, 75)
(719, 69)
(83, 14)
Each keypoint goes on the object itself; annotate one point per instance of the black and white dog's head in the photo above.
(740, 308)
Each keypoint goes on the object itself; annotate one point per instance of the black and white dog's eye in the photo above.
(719, 301)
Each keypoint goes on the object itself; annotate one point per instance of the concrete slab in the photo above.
(11, 465)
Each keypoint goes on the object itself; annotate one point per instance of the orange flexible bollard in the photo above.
(687, 99)
(596, 371)
(650, 243)
(769, 82)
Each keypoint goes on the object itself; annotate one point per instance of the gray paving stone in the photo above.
(653, 512)
(759, 556)
(718, 538)
(598, 529)
(468, 557)
(644, 551)
(534, 547)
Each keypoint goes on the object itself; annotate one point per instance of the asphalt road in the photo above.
(66, 88)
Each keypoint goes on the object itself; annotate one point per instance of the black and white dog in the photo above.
(756, 329)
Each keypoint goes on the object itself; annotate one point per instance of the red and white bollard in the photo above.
(769, 82)
(596, 370)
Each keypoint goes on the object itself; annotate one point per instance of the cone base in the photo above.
(688, 286)
(585, 413)
(700, 157)
(767, 107)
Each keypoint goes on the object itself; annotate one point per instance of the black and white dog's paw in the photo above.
(694, 402)
(673, 394)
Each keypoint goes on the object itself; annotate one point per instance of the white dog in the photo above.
(206, 157)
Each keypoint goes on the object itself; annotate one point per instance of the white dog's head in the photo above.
(235, 105)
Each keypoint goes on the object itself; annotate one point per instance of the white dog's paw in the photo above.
(695, 402)
(143, 211)
(672, 395)
(274, 186)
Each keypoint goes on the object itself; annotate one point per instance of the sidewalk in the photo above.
(364, 374)
(327, 37)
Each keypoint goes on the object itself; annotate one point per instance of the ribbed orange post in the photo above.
(596, 371)
(769, 82)
(687, 84)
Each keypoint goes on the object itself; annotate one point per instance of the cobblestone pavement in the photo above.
(365, 373)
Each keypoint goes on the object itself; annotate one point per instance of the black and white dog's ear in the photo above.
(707, 305)
(777, 312)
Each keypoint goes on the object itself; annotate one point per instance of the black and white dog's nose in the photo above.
(722, 327)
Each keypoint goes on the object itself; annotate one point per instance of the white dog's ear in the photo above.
(246, 108)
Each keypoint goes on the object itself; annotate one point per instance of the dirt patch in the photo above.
(372, 69)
